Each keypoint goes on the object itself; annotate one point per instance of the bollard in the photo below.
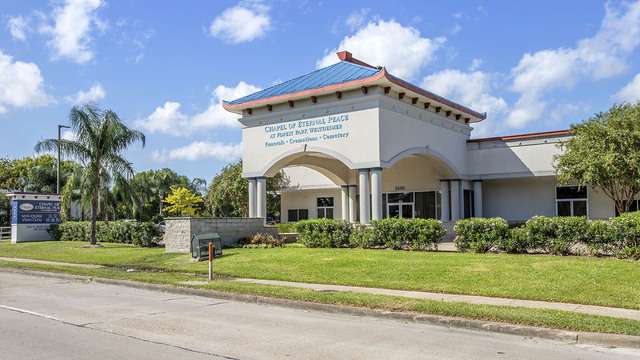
(212, 250)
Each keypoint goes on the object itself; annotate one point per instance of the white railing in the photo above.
(5, 232)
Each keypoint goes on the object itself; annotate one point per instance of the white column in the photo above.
(376, 193)
(363, 186)
(252, 197)
(261, 198)
(477, 198)
(455, 200)
(353, 203)
(444, 201)
(344, 191)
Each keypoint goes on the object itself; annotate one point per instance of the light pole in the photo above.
(58, 164)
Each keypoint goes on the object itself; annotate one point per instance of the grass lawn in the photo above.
(514, 315)
(584, 280)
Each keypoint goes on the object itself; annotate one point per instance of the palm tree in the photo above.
(101, 137)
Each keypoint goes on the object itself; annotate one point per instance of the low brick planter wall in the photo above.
(178, 231)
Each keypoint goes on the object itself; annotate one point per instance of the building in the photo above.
(352, 131)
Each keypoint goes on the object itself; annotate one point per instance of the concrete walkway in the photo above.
(470, 299)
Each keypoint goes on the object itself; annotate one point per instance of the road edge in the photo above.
(573, 337)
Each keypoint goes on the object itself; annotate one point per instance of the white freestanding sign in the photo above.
(32, 215)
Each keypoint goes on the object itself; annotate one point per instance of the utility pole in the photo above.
(58, 164)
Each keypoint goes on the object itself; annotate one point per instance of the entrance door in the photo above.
(400, 205)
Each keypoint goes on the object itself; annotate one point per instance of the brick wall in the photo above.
(178, 231)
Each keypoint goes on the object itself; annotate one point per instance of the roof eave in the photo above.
(381, 77)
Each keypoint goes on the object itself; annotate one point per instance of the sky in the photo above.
(164, 66)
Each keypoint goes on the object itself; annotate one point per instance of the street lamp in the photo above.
(58, 165)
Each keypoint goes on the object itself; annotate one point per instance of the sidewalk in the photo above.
(470, 299)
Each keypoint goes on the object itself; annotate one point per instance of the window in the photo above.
(427, 205)
(325, 207)
(294, 215)
(468, 203)
(571, 201)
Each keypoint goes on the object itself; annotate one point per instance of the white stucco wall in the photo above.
(302, 177)
(518, 158)
(519, 199)
(306, 199)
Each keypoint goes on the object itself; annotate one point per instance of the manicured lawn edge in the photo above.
(553, 319)
(574, 280)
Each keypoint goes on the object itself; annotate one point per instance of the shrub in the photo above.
(426, 234)
(480, 234)
(627, 232)
(392, 232)
(323, 233)
(261, 240)
(362, 237)
(516, 243)
(601, 237)
(557, 235)
(126, 232)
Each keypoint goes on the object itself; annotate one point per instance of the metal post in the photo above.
(211, 255)
(58, 163)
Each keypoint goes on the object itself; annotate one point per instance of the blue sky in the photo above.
(165, 66)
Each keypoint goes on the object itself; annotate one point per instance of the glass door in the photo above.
(400, 205)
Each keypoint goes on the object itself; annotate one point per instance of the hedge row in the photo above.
(392, 233)
(618, 236)
(127, 232)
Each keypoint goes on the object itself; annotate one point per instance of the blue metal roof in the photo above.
(334, 74)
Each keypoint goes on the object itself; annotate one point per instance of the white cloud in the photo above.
(216, 116)
(166, 119)
(244, 22)
(69, 135)
(71, 29)
(170, 120)
(357, 18)
(630, 92)
(94, 94)
(21, 84)
(387, 43)
(475, 64)
(602, 56)
(472, 89)
(18, 27)
(201, 150)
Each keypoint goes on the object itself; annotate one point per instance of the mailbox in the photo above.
(200, 245)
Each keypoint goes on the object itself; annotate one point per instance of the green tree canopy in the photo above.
(33, 173)
(228, 193)
(605, 152)
(101, 138)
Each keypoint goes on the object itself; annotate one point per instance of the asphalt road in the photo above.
(44, 318)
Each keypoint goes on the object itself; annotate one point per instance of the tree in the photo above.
(228, 194)
(101, 139)
(183, 202)
(37, 173)
(605, 152)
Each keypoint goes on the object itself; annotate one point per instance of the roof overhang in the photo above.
(381, 78)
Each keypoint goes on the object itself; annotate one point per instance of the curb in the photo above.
(571, 337)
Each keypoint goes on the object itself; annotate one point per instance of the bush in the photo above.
(413, 234)
(516, 243)
(480, 234)
(627, 232)
(557, 235)
(126, 232)
(323, 233)
(261, 240)
(362, 237)
(601, 237)
(427, 234)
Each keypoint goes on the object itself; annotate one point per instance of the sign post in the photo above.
(32, 215)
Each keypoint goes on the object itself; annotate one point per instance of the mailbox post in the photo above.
(212, 254)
